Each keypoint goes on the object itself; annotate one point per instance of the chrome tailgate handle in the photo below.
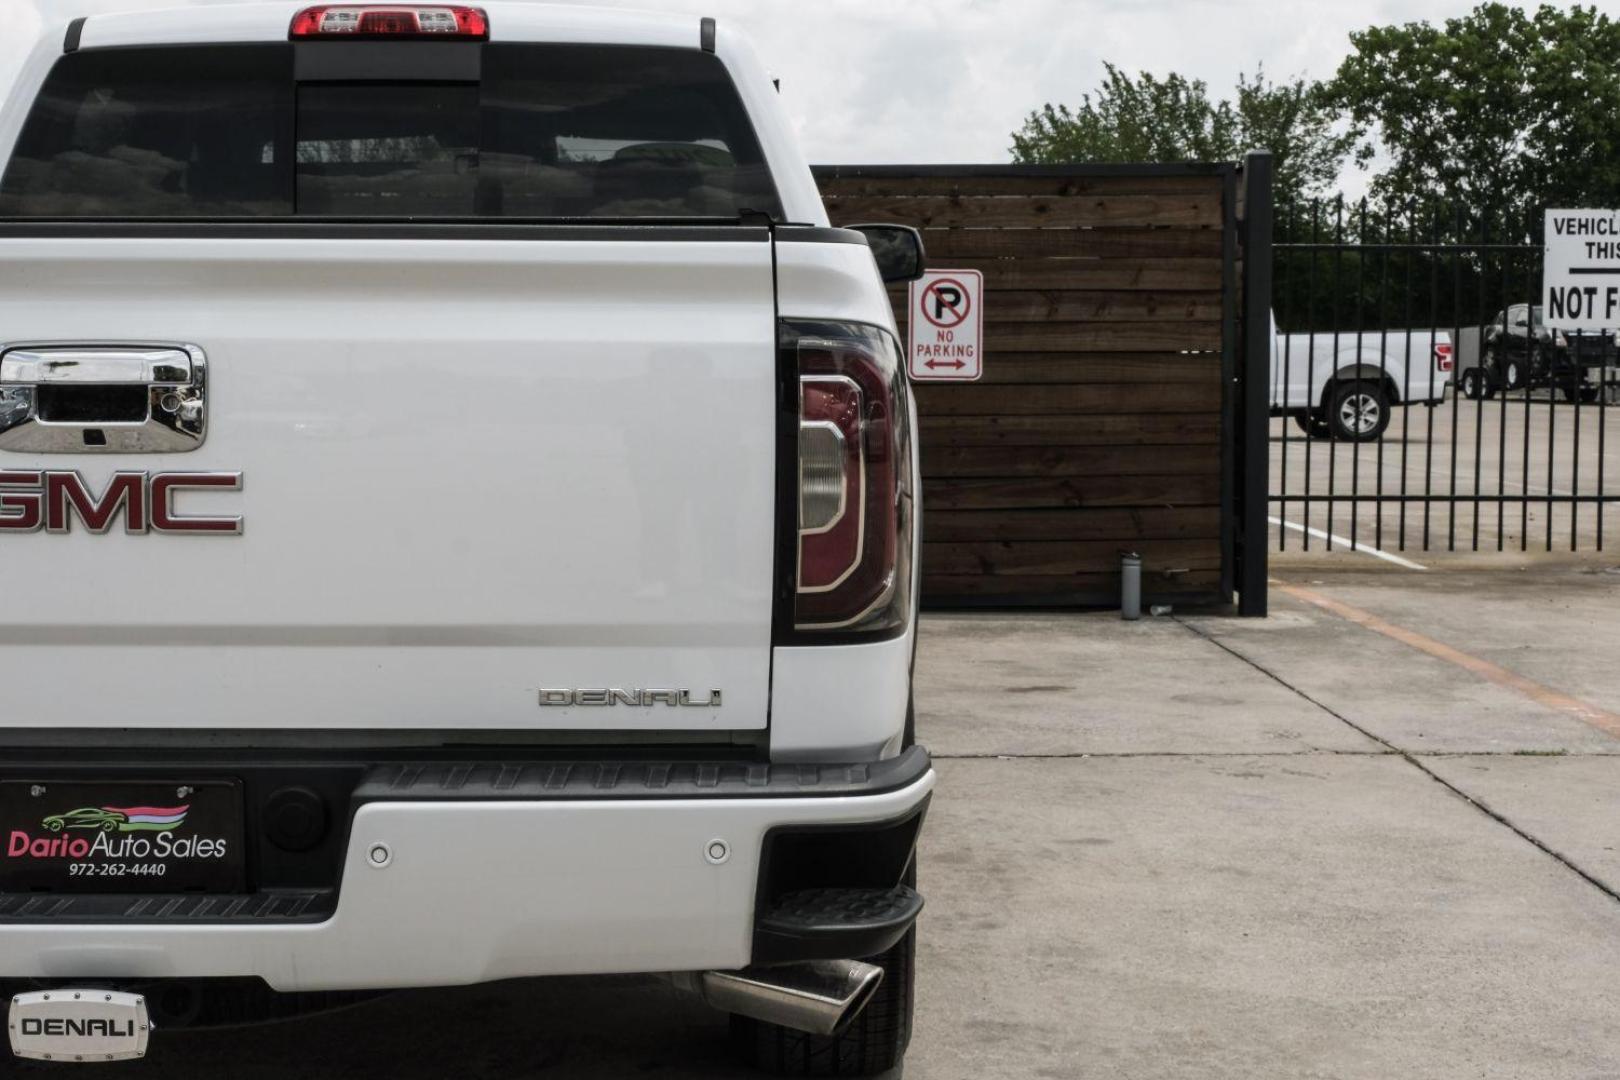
(116, 367)
(92, 398)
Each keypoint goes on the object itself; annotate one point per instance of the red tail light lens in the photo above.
(855, 514)
(391, 20)
(1442, 357)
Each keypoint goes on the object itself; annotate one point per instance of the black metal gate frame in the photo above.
(1248, 417)
(1435, 244)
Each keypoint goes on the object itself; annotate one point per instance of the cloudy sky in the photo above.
(872, 81)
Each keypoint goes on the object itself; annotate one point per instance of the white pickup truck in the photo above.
(461, 512)
(1345, 385)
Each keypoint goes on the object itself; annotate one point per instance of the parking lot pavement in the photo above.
(1556, 626)
(1567, 802)
(1068, 684)
(1191, 847)
(1437, 451)
(1317, 916)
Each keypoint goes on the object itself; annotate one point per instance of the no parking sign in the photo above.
(947, 326)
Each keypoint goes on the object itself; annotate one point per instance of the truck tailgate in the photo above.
(473, 469)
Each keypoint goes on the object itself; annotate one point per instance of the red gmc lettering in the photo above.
(22, 505)
(125, 491)
(164, 519)
(30, 501)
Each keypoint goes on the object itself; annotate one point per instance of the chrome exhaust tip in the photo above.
(820, 996)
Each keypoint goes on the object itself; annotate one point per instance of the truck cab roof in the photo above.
(261, 22)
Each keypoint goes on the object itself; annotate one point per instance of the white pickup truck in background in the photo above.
(1345, 385)
(461, 506)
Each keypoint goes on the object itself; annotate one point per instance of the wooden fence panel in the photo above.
(1098, 425)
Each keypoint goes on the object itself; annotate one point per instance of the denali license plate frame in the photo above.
(122, 836)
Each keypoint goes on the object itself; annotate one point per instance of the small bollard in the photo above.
(1130, 585)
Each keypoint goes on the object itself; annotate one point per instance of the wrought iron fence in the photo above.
(1420, 398)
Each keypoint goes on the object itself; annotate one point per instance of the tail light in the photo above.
(1442, 357)
(854, 515)
(391, 21)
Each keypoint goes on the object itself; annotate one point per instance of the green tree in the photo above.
(1146, 118)
(1307, 142)
(1501, 111)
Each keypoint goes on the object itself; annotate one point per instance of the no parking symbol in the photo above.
(947, 326)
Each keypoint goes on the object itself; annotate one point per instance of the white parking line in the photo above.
(1335, 538)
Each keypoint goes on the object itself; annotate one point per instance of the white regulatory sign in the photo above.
(1581, 277)
(947, 326)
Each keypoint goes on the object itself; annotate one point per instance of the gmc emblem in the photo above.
(31, 501)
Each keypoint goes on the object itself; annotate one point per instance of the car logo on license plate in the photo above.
(78, 1025)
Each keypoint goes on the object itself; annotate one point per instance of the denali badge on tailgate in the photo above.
(644, 698)
(31, 501)
(78, 1025)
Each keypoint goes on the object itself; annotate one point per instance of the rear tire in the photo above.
(1575, 389)
(1476, 386)
(1358, 411)
(1312, 425)
(1568, 379)
(873, 1044)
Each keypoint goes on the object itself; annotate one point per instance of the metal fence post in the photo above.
(1254, 404)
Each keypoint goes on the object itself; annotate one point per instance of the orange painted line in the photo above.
(1541, 694)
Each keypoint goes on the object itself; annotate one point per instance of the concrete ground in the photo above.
(1510, 440)
(1374, 836)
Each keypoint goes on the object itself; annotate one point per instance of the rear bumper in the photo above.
(478, 884)
(1590, 352)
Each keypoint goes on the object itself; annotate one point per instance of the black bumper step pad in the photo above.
(834, 924)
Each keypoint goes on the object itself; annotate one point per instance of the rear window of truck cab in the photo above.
(548, 132)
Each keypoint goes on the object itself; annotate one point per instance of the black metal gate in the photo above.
(1420, 399)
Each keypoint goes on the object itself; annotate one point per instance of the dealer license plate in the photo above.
(121, 836)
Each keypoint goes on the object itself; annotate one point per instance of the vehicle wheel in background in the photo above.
(874, 1043)
(1513, 376)
(1490, 366)
(1358, 411)
(1574, 388)
(1475, 385)
(1312, 425)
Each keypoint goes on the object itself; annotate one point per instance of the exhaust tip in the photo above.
(867, 978)
(821, 997)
